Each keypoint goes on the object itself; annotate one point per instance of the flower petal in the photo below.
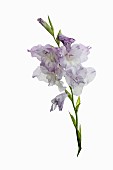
(91, 73)
(78, 89)
(66, 41)
(38, 73)
(58, 101)
(37, 51)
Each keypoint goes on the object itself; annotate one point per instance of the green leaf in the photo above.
(77, 104)
(69, 95)
(78, 101)
(73, 119)
(57, 40)
(51, 24)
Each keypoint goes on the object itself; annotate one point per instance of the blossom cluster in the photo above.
(65, 61)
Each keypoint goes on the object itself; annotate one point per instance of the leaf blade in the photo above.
(73, 119)
(51, 25)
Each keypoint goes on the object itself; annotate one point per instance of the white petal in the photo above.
(91, 73)
(80, 51)
(51, 78)
(78, 90)
(82, 71)
(60, 86)
(37, 73)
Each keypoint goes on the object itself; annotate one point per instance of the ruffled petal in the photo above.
(38, 73)
(91, 73)
(37, 51)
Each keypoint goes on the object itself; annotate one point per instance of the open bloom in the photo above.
(49, 77)
(65, 61)
(78, 54)
(78, 77)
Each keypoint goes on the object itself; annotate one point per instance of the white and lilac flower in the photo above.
(58, 101)
(66, 41)
(49, 77)
(51, 58)
(65, 61)
(48, 55)
(78, 77)
(77, 54)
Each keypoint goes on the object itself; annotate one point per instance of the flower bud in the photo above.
(45, 25)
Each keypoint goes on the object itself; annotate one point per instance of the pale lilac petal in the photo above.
(91, 73)
(51, 58)
(38, 73)
(80, 51)
(51, 77)
(37, 51)
(66, 41)
(58, 101)
(75, 78)
(81, 71)
(70, 58)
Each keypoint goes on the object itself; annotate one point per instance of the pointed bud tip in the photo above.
(40, 20)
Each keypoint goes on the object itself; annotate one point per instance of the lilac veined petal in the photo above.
(37, 51)
(85, 52)
(38, 73)
(81, 71)
(70, 58)
(91, 73)
(66, 41)
(44, 70)
(58, 101)
(51, 77)
(75, 80)
(80, 51)
(51, 58)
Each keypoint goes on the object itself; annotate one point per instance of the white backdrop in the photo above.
(31, 137)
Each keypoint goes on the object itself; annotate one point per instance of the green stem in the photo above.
(76, 127)
(56, 41)
(74, 107)
(71, 97)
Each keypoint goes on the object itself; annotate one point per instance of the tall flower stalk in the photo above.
(63, 61)
(75, 119)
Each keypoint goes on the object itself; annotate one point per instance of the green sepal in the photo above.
(57, 40)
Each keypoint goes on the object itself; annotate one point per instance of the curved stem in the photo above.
(78, 133)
